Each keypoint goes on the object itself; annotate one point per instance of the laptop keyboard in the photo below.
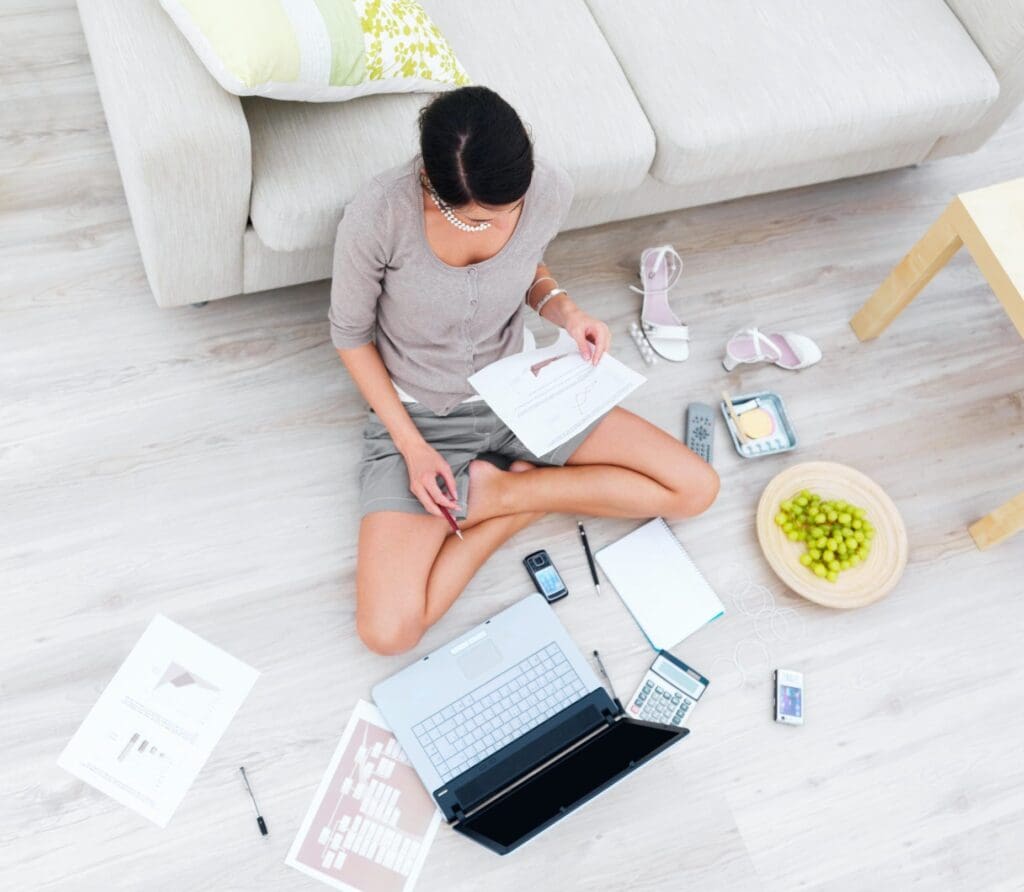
(496, 713)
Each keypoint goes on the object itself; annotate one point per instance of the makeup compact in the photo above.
(758, 424)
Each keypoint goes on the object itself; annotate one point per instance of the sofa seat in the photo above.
(551, 62)
(735, 86)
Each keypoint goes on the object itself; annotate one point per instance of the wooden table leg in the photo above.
(1000, 524)
(912, 273)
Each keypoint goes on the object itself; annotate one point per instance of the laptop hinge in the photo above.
(495, 774)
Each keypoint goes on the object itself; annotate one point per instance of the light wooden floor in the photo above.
(200, 463)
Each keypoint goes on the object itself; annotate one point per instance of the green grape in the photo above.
(780, 519)
(836, 533)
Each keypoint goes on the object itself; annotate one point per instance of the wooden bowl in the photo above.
(870, 580)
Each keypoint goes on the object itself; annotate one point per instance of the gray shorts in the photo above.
(467, 432)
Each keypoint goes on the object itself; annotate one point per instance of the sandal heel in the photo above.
(729, 363)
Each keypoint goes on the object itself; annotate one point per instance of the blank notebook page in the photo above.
(659, 584)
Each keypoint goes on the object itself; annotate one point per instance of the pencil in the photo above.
(448, 514)
(451, 521)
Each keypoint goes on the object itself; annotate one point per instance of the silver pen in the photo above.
(600, 665)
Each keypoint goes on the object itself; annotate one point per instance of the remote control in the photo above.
(700, 426)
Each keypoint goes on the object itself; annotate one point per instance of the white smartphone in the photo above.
(789, 697)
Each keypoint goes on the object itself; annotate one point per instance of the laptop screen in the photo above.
(567, 784)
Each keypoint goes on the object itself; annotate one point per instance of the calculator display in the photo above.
(686, 683)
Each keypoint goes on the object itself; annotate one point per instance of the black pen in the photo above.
(590, 557)
(259, 818)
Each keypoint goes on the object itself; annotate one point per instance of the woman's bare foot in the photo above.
(486, 486)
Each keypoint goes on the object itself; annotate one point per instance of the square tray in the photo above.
(783, 440)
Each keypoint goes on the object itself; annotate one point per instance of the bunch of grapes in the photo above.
(837, 534)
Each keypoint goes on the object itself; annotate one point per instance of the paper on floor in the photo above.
(547, 396)
(156, 723)
(371, 822)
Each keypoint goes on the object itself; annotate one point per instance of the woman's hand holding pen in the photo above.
(425, 465)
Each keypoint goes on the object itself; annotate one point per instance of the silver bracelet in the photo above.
(554, 292)
(536, 282)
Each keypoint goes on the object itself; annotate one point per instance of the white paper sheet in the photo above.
(548, 395)
(156, 723)
(371, 822)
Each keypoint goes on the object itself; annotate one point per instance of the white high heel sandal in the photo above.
(660, 269)
(786, 349)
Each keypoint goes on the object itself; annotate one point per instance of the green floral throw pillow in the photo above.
(318, 50)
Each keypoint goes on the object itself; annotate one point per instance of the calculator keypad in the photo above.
(658, 701)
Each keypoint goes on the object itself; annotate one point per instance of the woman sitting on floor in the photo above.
(436, 263)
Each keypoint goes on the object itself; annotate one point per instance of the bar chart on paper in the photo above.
(371, 822)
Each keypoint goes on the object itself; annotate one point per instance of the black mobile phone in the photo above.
(545, 576)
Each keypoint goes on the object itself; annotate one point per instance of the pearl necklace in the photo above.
(449, 214)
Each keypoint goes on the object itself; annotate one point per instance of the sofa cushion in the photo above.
(556, 69)
(328, 51)
(734, 86)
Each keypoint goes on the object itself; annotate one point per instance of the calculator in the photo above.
(668, 692)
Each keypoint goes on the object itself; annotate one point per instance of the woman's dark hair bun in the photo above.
(475, 148)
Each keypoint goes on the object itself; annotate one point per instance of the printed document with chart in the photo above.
(549, 395)
(371, 823)
(156, 723)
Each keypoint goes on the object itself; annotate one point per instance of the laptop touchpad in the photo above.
(478, 659)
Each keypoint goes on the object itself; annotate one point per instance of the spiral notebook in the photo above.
(659, 584)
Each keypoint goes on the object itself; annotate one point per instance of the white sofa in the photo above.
(650, 106)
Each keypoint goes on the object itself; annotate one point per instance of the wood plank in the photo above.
(991, 223)
(909, 276)
(1000, 524)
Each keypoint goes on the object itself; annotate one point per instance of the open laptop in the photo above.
(510, 728)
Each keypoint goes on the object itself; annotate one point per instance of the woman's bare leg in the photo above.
(399, 599)
(627, 467)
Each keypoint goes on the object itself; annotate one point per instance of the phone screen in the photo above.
(790, 701)
(550, 581)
